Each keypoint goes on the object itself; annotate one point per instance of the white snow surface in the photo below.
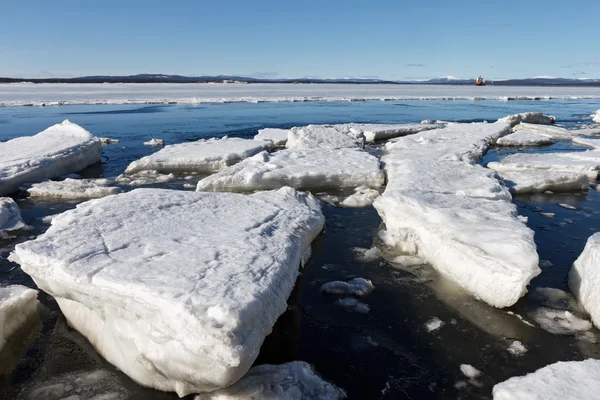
(528, 117)
(579, 162)
(456, 215)
(57, 151)
(325, 137)
(363, 196)
(541, 181)
(584, 278)
(377, 132)
(594, 143)
(274, 135)
(310, 169)
(177, 289)
(525, 138)
(294, 380)
(17, 304)
(74, 189)
(554, 132)
(354, 287)
(571, 380)
(204, 156)
(10, 215)
(142, 93)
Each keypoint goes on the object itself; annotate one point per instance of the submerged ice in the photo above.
(177, 289)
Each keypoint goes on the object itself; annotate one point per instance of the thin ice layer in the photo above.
(325, 137)
(584, 278)
(311, 169)
(274, 135)
(61, 149)
(177, 289)
(203, 156)
(10, 215)
(456, 215)
(573, 380)
(578, 162)
(74, 189)
(17, 304)
(294, 380)
(539, 182)
(528, 117)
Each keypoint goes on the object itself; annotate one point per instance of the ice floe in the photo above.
(554, 132)
(560, 322)
(177, 289)
(580, 162)
(106, 141)
(589, 142)
(274, 135)
(525, 138)
(58, 150)
(74, 189)
(295, 380)
(10, 215)
(456, 215)
(571, 380)
(204, 156)
(325, 137)
(596, 117)
(516, 348)
(154, 142)
(378, 132)
(354, 287)
(142, 178)
(17, 304)
(541, 181)
(363, 196)
(470, 371)
(584, 278)
(434, 324)
(528, 117)
(311, 169)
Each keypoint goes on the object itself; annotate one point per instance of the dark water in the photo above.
(384, 354)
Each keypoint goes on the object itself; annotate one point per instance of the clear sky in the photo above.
(392, 39)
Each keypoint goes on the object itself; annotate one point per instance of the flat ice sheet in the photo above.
(294, 380)
(377, 132)
(203, 156)
(123, 93)
(61, 149)
(274, 135)
(573, 380)
(311, 169)
(456, 215)
(555, 132)
(578, 162)
(177, 289)
(74, 189)
(584, 278)
(325, 137)
(594, 143)
(17, 304)
(10, 215)
(525, 138)
(539, 182)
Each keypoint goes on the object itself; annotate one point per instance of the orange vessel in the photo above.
(480, 81)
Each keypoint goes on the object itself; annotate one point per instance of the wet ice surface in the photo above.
(386, 353)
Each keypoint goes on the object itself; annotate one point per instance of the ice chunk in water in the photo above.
(155, 142)
(10, 215)
(572, 380)
(596, 117)
(580, 162)
(525, 138)
(584, 278)
(470, 371)
(541, 181)
(295, 380)
(59, 150)
(178, 289)
(74, 189)
(528, 117)
(354, 287)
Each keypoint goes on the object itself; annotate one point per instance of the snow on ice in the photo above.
(74, 189)
(525, 138)
(363, 196)
(325, 137)
(274, 135)
(177, 289)
(294, 380)
(379, 132)
(579, 162)
(589, 142)
(10, 215)
(456, 215)
(204, 156)
(17, 304)
(354, 287)
(311, 169)
(572, 380)
(584, 278)
(59, 150)
(528, 117)
(539, 182)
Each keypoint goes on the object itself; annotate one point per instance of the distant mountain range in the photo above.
(161, 78)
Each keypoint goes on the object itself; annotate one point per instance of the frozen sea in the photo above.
(386, 353)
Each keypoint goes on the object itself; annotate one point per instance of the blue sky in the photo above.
(284, 38)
